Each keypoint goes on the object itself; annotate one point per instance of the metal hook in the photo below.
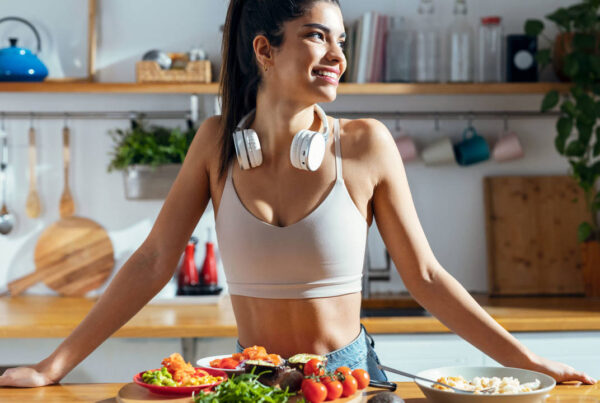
(437, 122)
(2, 127)
(506, 122)
(31, 116)
(398, 128)
(470, 120)
(66, 121)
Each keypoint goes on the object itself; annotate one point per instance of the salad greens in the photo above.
(244, 388)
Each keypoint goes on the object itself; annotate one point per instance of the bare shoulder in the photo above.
(369, 142)
(370, 134)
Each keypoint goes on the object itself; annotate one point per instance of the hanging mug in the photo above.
(508, 147)
(472, 149)
(440, 152)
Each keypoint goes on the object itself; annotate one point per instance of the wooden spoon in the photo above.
(33, 206)
(67, 206)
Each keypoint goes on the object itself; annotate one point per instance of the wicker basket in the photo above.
(194, 72)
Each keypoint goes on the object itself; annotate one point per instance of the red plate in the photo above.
(180, 390)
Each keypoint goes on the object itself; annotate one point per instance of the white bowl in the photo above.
(547, 383)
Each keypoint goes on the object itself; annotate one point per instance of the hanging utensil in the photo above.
(7, 220)
(33, 206)
(67, 205)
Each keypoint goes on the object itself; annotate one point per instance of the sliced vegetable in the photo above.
(244, 388)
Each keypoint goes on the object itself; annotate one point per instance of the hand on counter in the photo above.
(561, 372)
(24, 377)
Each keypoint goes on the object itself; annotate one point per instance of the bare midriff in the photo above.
(293, 326)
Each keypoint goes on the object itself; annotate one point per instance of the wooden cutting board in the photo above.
(531, 224)
(79, 253)
(132, 393)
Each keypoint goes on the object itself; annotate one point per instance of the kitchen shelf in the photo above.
(344, 88)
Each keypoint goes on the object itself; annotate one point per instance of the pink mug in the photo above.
(508, 147)
(408, 149)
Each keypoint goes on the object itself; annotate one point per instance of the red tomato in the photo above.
(343, 370)
(334, 390)
(362, 378)
(216, 363)
(314, 366)
(349, 385)
(314, 392)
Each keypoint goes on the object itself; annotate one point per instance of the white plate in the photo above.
(547, 383)
(205, 362)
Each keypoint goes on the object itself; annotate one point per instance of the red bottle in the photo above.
(188, 273)
(209, 268)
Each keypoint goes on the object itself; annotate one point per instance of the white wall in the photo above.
(448, 200)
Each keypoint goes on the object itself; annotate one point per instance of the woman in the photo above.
(292, 240)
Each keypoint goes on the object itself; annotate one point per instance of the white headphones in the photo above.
(307, 150)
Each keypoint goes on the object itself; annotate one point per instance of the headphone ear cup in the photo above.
(253, 147)
(315, 151)
(240, 149)
(295, 149)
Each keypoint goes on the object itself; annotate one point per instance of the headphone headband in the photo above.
(241, 125)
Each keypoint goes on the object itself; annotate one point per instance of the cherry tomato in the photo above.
(314, 392)
(334, 390)
(314, 366)
(362, 377)
(349, 385)
(343, 370)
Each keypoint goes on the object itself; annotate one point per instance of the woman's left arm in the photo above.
(427, 281)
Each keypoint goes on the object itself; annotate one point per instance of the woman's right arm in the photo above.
(144, 274)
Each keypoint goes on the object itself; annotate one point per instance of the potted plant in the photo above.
(578, 133)
(150, 157)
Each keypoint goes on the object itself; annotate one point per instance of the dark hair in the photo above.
(240, 75)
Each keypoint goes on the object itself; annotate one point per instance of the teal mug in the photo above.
(472, 149)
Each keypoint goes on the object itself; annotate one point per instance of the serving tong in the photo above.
(486, 391)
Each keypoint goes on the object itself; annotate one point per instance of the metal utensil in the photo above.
(67, 205)
(391, 386)
(458, 390)
(33, 206)
(7, 220)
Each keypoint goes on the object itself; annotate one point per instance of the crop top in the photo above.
(321, 255)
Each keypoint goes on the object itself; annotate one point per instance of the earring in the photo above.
(266, 67)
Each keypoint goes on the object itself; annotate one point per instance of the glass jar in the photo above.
(399, 51)
(460, 45)
(489, 54)
(427, 44)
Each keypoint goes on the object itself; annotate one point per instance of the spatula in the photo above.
(33, 206)
(67, 205)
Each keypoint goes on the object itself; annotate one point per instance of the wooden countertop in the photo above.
(49, 316)
(106, 393)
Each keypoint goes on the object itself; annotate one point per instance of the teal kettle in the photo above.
(20, 64)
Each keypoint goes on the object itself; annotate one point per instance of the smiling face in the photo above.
(310, 61)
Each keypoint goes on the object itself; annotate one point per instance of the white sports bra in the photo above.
(319, 256)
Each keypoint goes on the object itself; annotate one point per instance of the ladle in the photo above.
(7, 220)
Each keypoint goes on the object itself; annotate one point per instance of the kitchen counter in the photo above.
(106, 393)
(55, 317)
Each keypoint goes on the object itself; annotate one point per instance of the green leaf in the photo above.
(533, 27)
(585, 130)
(571, 66)
(596, 150)
(543, 57)
(583, 42)
(550, 100)
(575, 149)
(568, 108)
(584, 231)
(564, 126)
(561, 18)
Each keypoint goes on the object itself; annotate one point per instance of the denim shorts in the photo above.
(360, 353)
